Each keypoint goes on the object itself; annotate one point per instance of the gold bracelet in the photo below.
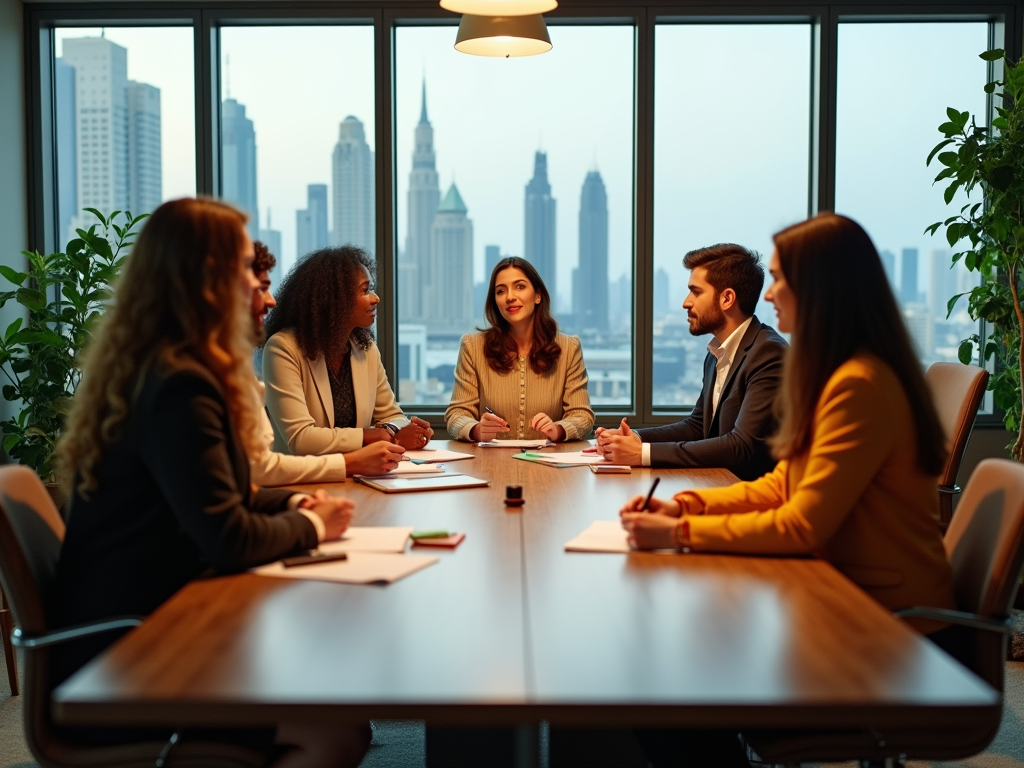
(683, 534)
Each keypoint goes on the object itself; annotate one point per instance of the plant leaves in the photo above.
(994, 55)
(940, 145)
(966, 352)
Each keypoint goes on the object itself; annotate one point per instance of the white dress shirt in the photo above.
(724, 354)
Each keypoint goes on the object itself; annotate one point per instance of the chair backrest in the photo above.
(957, 391)
(985, 545)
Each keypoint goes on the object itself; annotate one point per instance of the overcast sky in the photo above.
(732, 123)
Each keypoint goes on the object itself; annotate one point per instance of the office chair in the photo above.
(31, 534)
(985, 545)
(957, 390)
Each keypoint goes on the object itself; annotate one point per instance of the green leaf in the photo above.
(949, 129)
(994, 55)
(940, 145)
(949, 159)
(953, 234)
(1002, 177)
(952, 114)
(952, 303)
(966, 352)
(950, 191)
(1000, 123)
(990, 87)
(13, 275)
(31, 298)
(12, 329)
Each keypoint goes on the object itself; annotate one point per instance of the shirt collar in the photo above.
(727, 348)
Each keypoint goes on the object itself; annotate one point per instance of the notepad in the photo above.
(410, 468)
(568, 458)
(601, 536)
(369, 539)
(433, 457)
(359, 568)
(444, 482)
(516, 444)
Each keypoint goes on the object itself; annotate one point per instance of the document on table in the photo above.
(434, 457)
(369, 539)
(412, 468)
(359, 568)
(573, 458)
(601, 536)
(438, 482)
(516, 444)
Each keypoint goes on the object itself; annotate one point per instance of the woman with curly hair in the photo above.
(156, 450)
(520, 369)
(327, 391)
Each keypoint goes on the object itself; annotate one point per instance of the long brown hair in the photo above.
(844, 308)
(499, 346)
(178, 301)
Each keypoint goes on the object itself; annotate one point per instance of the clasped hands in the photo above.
(491, 425)
(654, 527)
(620, 446)
(334, 511)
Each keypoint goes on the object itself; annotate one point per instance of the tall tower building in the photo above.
(67, 152)
(271, 238)
(311, 224)
(353, 187)
(101, 124)
(908, 276)
(590, 299)
(539, 241)
(145, 171)
(424, 197)
(448, 302)
(238, 162)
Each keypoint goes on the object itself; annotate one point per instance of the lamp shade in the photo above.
(499, 7)
(503, 36)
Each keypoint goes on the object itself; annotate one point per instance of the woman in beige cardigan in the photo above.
(520, 378)
(327, 391)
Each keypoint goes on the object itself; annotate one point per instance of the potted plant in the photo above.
(990, 161)
(63, 295)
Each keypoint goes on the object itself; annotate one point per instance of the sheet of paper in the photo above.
(601, 536)
(571, 457)
(360, 568)
(437, 456)
(370, 539)
(516, 444)
(409, 468)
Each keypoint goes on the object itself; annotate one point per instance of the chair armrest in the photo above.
(20, 640)
(962, 618)
(952, 490)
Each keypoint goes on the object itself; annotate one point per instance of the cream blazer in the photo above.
(301, 406)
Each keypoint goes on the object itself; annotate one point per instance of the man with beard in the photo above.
(732, 419)
(273, 468)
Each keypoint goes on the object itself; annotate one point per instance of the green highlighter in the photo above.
(438, 534)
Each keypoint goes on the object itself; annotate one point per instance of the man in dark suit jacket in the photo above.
(733, 417)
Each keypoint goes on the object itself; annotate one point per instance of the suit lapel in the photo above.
(364, 406)
(710, 375)
(318, 370)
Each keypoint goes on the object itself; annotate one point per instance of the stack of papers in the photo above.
(601, 536)
(568, 459)
(412, 468)
(431, 482)
(359, 568)
(427, 456)
(543, 443)
(369, 539)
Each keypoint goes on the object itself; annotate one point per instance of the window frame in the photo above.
(206, 18)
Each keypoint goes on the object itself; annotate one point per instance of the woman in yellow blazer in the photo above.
(859, 444)
(327, 391)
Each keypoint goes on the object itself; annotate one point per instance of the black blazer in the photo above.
(174, 502)
(735, 436)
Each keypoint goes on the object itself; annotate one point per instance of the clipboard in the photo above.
(413, 483)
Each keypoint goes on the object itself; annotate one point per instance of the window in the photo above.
(297, 136)
(888, 111)
(124, 122)
(524, 157)
(731, 150)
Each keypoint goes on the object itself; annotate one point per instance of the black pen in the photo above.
(650, 493)
(312, 559)
(486, 408)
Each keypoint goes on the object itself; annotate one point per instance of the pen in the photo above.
(416, 535)
(487, 408)
(312, 559)
(650, 493)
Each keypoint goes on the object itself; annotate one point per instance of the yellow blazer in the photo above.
(301, 406)
(857, 498)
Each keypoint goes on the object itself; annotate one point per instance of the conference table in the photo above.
(509, 628)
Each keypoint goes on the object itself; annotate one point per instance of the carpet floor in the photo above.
(400, 744)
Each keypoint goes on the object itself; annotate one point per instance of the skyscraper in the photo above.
(662, 291)
(448, 301)
(353, 187)
(539, 240)
(492, 255)
(271, 238)
(424, 196)
(908, 276)
(67, 153)
(590, 296)
(101, 125)
(145, 171)
(238, 162)
(108, 134)
(889, 265)
(311, 224)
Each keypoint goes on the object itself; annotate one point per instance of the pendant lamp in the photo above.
(499, 7)
(503, 36)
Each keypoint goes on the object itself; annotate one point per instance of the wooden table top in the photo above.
(509, 628)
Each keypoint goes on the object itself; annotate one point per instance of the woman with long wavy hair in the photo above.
(156, 451)
(520, 377)
(327, 391)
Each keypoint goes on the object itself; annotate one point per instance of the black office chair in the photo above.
(31, 533)
(985, 545)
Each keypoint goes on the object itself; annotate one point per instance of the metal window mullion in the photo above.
(207, 98)
(387, 253)
(643, 218)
